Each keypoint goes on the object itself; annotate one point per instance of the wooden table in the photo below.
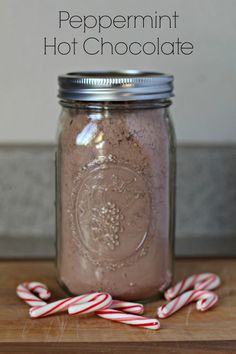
(187, 331)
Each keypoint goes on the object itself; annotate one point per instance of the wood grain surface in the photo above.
(187, 331)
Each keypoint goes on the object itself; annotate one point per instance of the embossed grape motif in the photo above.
(110, 213)
(106, 225)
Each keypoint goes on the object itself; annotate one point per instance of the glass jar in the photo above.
(115, 169)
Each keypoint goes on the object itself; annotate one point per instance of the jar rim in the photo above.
(124, 85)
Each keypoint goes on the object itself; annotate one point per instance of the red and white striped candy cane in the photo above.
(204, 281)
(28, 297)
(102, 301)
(205, 300)
(135, 320)
(38, 288)
(125, 306)
(61, 305)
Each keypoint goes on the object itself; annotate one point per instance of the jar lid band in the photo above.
(130, 85)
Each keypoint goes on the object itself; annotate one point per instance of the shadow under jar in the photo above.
(115, 184)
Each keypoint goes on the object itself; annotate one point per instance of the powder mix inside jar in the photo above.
(115, 167)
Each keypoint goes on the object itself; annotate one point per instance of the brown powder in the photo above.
(114, 196)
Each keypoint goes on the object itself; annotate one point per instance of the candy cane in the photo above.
(125, 306)
(102, 301)
(130, 307)
(205, 300)
(38, 288)
(204, 281)
(28, 297)
(119, 316)
(61, 305)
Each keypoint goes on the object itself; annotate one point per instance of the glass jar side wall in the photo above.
(145, 134)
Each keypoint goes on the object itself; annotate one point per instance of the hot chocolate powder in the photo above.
(114, 195)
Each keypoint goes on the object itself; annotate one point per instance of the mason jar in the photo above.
(115, 184)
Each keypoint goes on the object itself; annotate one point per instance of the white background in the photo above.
(204, 108)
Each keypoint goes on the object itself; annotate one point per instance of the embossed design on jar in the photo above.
(106, 224)
(110, 213)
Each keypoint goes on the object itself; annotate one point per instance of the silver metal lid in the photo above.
(130, 85)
